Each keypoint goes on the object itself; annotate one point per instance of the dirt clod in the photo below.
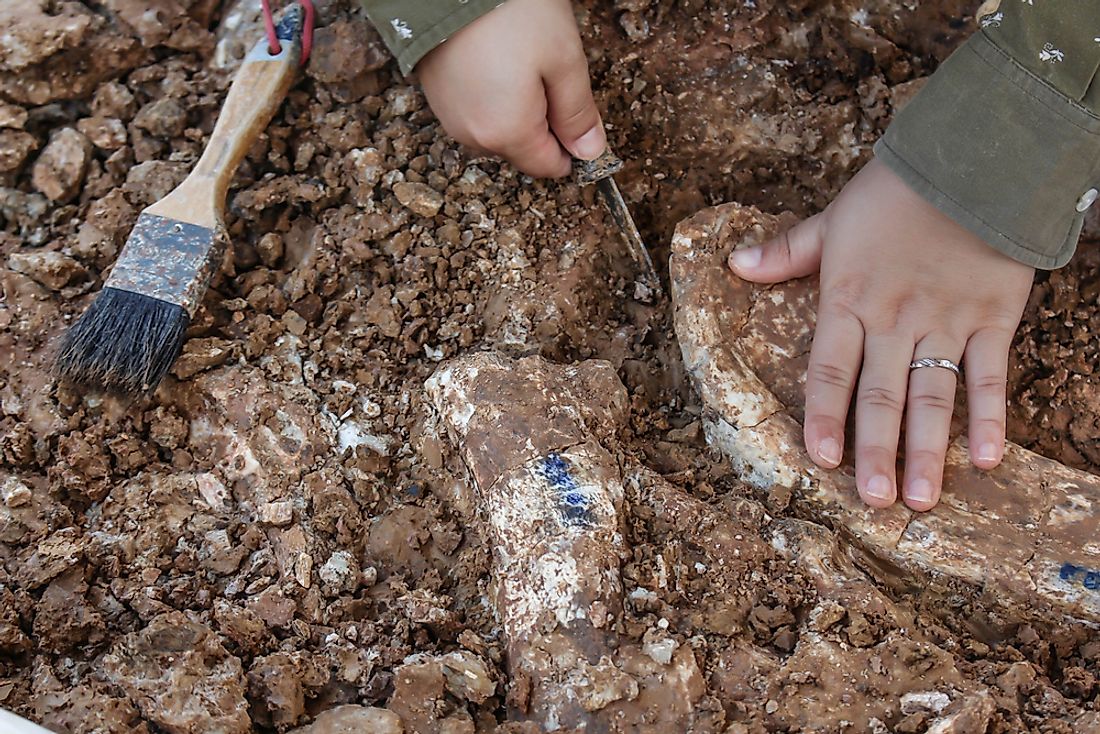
(59, 169)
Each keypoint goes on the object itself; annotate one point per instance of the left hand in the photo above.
(900, 281)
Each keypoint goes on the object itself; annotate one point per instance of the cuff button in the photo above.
(1087, 199)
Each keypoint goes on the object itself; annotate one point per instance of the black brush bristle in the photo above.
(124, 342)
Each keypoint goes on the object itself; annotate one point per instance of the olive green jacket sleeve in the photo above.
(412, 28)
(1005, 136)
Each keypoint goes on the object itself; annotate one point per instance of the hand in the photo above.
(515, 83)
(899, 281)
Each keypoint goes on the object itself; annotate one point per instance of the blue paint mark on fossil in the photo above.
(1088, 578)
(572, 501)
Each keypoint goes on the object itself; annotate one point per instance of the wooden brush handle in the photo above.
(258, 89)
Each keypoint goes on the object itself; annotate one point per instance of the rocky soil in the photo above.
(292, 533)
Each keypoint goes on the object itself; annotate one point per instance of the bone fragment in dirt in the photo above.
(1018, 542)
(537, 440)
(351, 718)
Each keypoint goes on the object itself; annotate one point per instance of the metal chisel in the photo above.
(600, 171)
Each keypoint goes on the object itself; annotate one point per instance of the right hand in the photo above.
(515, 83)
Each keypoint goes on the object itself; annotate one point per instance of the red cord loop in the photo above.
(273, 45)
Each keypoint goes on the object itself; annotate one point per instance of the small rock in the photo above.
(365, 165)
(352, 719)
(604, 684)
(345, 49)
(14, 492)
(659, 648)
(212, 490)
(152, 180)
(200, 355)
(273, 608)
(59, 171)
(278, 681)
(294, 323)
(303, 570)
(15, 146)
(49, 268)
(278, 513)
(402, 101)
(113, 99)
(931, 702)
(466, 676)
(270, 249)
(381, 312)
(419, 198)
(1017, 680)
(164, 118)
(22, 208)
(12, 116)
(339, 572)
(174, 654)
(973, 715)
(106, 133)
(826, 614)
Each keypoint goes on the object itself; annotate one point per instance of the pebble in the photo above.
(212, 490)
(48, 268)
(366, 165)
(931, 702)
(22, 208)
(106, 133)
(164, 118)
(200, 355)
(277, 513)
(270, 249)
(59, 171)
(660, 649)
(114, 99)
(345, 49)
(303, 570)
(466, 676)
(14, 492)
(294, 323)
(352, 719)
(339, 571)
(419, 198)
(15, 146)
(12, 116)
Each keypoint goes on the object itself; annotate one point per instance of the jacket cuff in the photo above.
(412, 29)
(1001, 152)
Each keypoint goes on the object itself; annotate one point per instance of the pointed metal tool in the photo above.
(600, 171)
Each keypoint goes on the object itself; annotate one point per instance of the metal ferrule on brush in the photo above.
(169, 260)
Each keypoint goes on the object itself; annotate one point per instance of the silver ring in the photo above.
(946, 364)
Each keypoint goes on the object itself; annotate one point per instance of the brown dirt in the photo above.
(279, 535)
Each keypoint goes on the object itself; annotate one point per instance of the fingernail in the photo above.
(829, 451)
(988, 452)
(919, 490)
(746, 259)
(590, 145)
(880, 487)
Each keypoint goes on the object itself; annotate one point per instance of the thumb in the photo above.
(793, 254)
(572, 112)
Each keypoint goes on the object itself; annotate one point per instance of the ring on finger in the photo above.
(946, 364)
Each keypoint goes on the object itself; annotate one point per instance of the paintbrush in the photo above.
(132, 333)
(601, 171)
